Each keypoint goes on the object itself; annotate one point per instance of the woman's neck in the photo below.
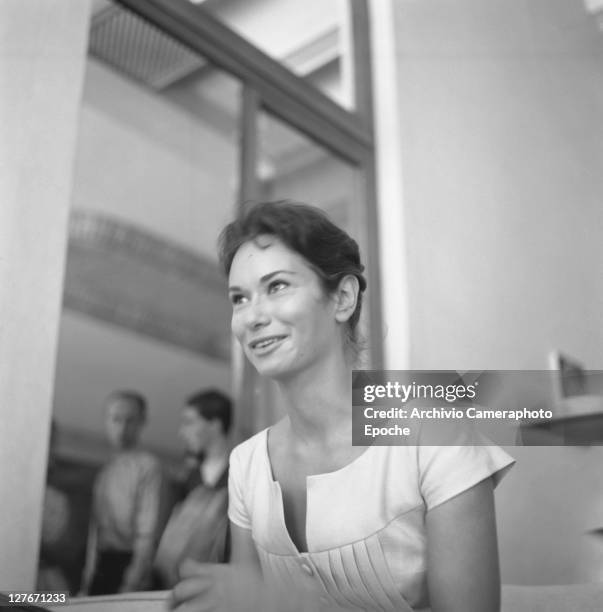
(319, 401)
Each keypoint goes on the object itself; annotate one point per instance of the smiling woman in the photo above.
(281, 318)
(317, 523)
(304, 250)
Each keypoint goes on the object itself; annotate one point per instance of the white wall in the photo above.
(501, 151)
(545, 506)
(42, 51)
(503, 143)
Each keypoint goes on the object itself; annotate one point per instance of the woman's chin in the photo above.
(272, 370)
(272, 367)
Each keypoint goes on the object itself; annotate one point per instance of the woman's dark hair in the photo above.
(308, 231)
(211, 404)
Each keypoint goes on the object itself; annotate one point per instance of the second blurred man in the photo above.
(198, 526)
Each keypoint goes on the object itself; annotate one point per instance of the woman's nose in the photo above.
(257, 314)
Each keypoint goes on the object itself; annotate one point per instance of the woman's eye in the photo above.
(277, 286)
(236, 299)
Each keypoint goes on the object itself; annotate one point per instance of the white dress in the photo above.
(365, 523)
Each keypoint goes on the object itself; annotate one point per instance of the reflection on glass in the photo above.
(145, 306)
(294, 167)
(310, 38)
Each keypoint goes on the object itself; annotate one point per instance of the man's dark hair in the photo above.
(130, 396)
(212, 404)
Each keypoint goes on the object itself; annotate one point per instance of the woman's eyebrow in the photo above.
(267, 277)
(263, 279)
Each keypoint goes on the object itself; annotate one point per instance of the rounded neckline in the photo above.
(309, 476)
(277, 490)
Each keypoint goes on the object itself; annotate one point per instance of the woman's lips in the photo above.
(265, 344)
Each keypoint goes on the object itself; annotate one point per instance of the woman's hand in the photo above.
(206, 587)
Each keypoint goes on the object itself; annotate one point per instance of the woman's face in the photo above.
(281, 315)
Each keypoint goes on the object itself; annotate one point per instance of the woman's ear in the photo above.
(346, 297)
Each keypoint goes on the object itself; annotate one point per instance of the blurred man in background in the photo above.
(198, 526)
(127, 504)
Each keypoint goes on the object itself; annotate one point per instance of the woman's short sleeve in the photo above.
(446, 471)
(237, 511)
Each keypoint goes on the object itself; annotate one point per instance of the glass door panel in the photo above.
(145, 306)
